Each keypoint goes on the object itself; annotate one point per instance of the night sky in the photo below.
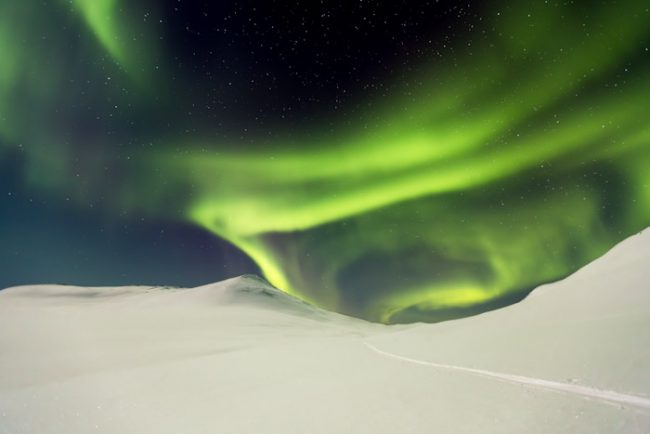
(397, 161)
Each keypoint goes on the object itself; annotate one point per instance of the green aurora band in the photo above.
(522, 160)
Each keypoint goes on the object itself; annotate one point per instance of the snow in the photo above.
(241, 357)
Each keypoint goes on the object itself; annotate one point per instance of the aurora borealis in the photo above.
(393, 162)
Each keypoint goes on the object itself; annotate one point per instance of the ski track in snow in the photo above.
(584, 391)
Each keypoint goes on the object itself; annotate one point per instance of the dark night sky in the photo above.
(393, 160)
(238, 70)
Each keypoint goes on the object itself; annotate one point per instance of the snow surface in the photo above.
(241, 357)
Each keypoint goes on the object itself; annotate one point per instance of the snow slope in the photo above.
(241, 357)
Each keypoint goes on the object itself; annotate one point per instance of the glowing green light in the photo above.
(448, 175)
(102, 18)
(510, 163)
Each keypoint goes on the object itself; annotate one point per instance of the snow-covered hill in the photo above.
(241, 357)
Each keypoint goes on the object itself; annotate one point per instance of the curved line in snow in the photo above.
(588, 392)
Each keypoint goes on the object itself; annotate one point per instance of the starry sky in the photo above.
(397, 161)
